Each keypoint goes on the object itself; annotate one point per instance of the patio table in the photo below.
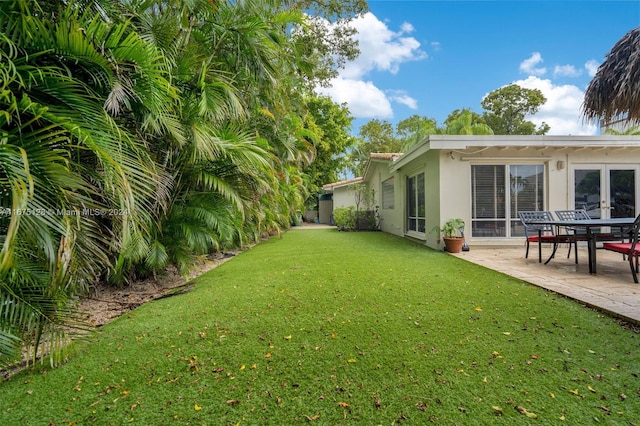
(588, 225)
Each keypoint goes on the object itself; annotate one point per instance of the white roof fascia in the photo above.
(462, 142)
(474, 141)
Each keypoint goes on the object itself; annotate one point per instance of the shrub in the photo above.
(345, 218)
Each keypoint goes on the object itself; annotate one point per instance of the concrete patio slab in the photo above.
(611, 290)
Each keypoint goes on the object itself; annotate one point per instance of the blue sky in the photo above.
(432, 57)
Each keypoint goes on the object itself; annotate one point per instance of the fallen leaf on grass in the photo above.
(343, 404)
(233, 402)
(520, 409)
(377, 403)
(197, 407)
(497, 410)
(312, 418)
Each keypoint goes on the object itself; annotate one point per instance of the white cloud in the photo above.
(528, 66)
(363, 98)
(407, 28)
(401, 97)
(592, 67)
(566, 71)
(562, 109)
(382, 50)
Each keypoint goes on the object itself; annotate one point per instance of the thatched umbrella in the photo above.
(614, 92)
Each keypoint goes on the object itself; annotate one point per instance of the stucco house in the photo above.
(486, 180)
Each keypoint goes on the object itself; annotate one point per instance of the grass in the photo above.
(344, 328)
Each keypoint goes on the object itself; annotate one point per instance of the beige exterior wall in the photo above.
(343, 197)
(446, 162)
(559, 163)
(377, 173)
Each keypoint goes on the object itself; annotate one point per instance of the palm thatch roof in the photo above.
(614, 92)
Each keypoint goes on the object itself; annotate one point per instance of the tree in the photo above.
(81, 185)
(185, 121)
(414, 129)
(507, 107)
(631, 131)
(614, 92)
(332, 123)
(375, 136)
(466, 122)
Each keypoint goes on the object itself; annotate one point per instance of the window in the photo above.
(388, 194)
(416, 203)
(499, 192)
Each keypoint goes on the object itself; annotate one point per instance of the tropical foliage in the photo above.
(134, 134)
(507, 107)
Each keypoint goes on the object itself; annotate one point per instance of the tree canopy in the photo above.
(507, 107)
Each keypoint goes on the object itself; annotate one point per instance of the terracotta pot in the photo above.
(453, 244)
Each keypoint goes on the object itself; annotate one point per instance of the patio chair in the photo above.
(630, 249)
(542, 232)
(580, 235)
(582, 214)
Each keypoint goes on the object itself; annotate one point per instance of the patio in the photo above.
(611, 290)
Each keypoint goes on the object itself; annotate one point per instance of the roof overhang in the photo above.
(331, 186)
(380, 157)
(462, 143)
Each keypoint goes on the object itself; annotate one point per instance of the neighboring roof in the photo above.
(380, 156)
(331, 186)
(385, 155)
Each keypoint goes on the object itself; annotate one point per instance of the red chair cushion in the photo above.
(544, 238)
(620, 247)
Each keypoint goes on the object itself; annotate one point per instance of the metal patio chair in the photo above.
(630, 249)
(543, 232)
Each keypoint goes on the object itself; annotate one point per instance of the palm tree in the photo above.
(81, 186)
(614, 92)
(183, 119)
(231, 63)
(466, 122)
(631, 131)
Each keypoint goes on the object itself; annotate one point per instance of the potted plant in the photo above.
(452, 235)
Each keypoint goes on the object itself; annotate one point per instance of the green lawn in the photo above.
(344, 328)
